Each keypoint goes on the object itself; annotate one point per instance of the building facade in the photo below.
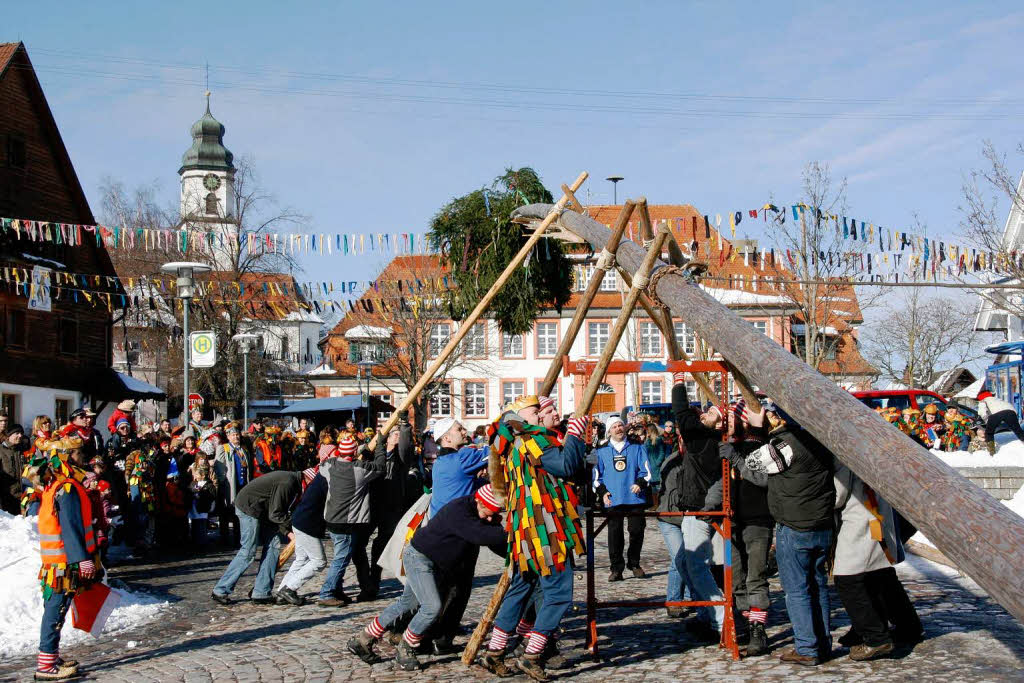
(494, 367)
(55, 344)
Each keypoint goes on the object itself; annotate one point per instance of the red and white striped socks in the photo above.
(375, 630)
(499, 639)
(523, 628)
(536, 643)
(757, 616)
(412, 639)
(47, 662)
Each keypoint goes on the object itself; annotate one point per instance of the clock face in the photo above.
(211, 182)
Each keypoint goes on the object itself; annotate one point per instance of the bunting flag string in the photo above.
(183, 240)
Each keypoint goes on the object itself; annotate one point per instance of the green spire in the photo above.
(207, 152)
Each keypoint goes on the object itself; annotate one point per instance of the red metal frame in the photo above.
(728, 637)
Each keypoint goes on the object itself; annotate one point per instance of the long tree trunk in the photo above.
(979, 533)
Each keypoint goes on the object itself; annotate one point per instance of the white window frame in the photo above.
(544, 339)
(597, 338)
(685, 338)
(610, 282)
(436, 404)
(508, 342)
(474, 344)
(650, 338)
(647, 393)
(511, 389)
(475, 405)
(439, 339)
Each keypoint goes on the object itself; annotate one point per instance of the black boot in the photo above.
(758, 644)
(405, 655)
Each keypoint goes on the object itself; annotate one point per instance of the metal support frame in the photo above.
(724, 529)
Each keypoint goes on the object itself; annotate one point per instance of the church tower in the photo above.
(208, 189)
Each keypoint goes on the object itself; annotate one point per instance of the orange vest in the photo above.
(51, 545)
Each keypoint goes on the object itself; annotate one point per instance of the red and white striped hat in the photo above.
(545, 402)
(485, 495)
(309, 474)
(347, 447)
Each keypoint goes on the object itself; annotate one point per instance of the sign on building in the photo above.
(39, 290)
(203, 349)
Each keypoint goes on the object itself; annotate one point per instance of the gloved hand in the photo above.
(578, 426)
(87, 569)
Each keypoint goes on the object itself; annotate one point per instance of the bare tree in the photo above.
(991, 235)
(814, 252)
(225, 309)
(922, 336)
(410, 322)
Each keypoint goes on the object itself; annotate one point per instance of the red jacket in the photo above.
(119, 414)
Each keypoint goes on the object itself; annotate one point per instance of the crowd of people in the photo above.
(423, 504)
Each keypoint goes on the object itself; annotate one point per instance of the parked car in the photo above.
(912, 398)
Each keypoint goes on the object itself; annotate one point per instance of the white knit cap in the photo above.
(612, 420)
(442, 426)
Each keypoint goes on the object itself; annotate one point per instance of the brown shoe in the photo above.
(331, 602)
(532, 666)
(676, 612)
(863, 653)
(615, 576)
(494, 661)
(792, 656)
(639, 573)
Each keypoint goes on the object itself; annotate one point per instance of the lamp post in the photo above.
(184, 270)
(247, 342)
(615, 187)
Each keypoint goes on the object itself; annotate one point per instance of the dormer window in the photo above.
(211, 204)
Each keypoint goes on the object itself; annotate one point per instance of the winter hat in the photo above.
(614, 419)
(546, 402)
(347, 447)
(308, 475)
(485, 496)
(738, 407)
(16, 429)
(443, 426)
(325, 451)
(127, 405)
(931, 409)
(983, 394)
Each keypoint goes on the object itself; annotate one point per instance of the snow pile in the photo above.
(1009, 453)
(1016, 504)
(21, 600)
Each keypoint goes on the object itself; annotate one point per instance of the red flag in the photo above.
(91, 607)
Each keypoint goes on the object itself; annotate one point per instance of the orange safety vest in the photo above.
(51, 545)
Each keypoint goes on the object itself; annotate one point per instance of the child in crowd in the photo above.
(204, 497)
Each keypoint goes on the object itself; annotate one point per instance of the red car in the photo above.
(901, 398)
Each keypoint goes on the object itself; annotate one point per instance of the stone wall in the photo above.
(1001, 482)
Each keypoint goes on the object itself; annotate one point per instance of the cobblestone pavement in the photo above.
(968, 636)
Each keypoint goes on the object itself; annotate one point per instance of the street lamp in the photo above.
(368, 364)
(184, 270)
(247, 342)
(615, 186)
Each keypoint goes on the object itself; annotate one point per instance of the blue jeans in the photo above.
(343, 544)
(673, 536)
(55, 610)
(253, 534)
(696, 569)
(420, 592)
(801, 556)
(557, 598)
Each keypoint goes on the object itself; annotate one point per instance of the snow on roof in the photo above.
(368, 332)
(303, 316)
(971, 390)
(827, 330)
(942, 379)
(895, 386)
(322, 369)
(732, 297)
(46, 261)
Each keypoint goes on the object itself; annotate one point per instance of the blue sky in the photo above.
(368, 117)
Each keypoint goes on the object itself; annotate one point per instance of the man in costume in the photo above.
(68, 549)
(543, 528)
(267, 451)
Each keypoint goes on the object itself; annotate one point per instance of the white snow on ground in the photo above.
(1016, 504)
(1009, 453)
(21, 600)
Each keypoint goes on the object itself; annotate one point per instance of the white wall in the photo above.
(32, 401)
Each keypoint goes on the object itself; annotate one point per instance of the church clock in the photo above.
(211, 182)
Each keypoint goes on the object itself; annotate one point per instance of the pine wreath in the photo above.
(477, 241)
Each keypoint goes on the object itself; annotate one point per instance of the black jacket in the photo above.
(308, 516)
(12, 461)
(400, 486)
(702, 466)
(803, 495)
(269, 498)
(455, 531)
(671, 499)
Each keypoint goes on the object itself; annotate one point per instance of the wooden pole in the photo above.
(676, 257)
(981, 535)
(467, 324)
(588, 297)
(639, 282)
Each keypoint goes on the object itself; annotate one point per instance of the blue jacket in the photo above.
(454, 475)
(617, 471)
(308, 516)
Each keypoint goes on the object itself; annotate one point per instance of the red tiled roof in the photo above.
(7, 51)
